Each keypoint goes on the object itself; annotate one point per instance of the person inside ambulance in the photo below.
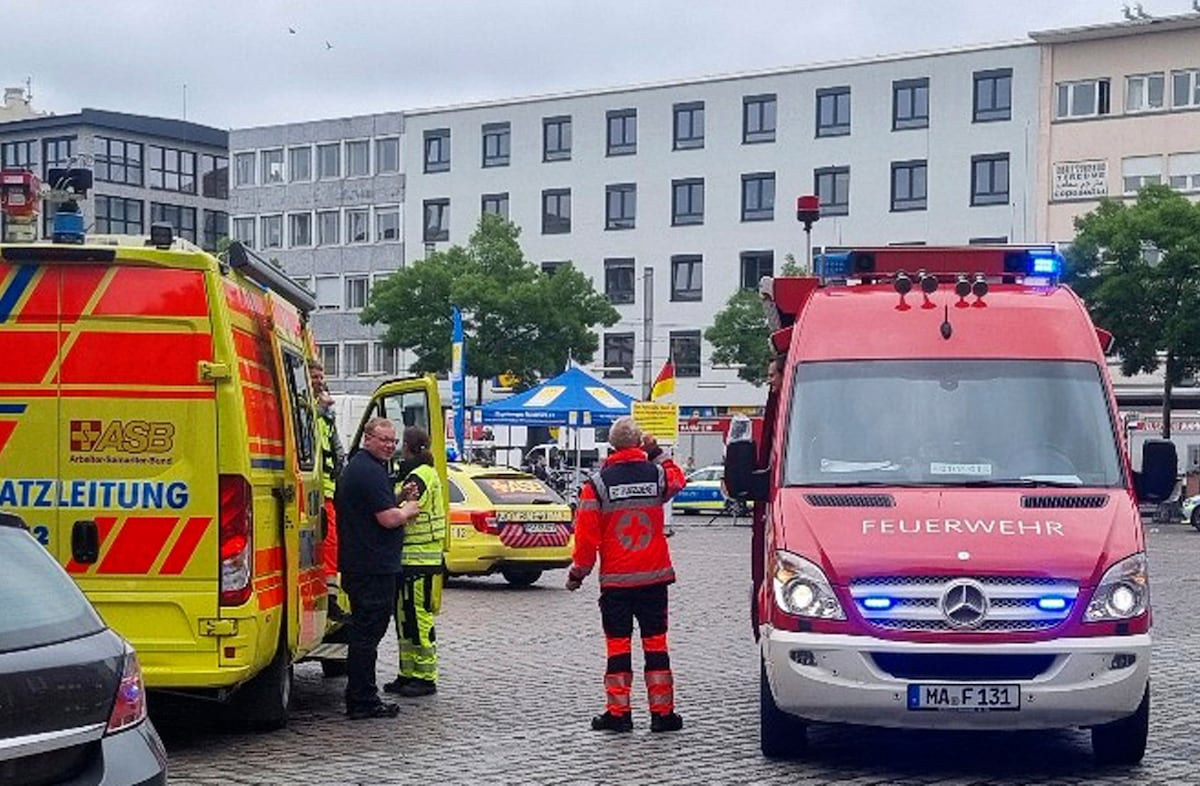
(333, 458)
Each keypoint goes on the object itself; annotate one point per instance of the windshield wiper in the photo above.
(1022, 483)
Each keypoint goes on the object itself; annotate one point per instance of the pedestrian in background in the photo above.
(620, 517)
(372, 534)
(420, 595)
(333, 459)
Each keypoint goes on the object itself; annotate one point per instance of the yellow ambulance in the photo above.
(157, 435)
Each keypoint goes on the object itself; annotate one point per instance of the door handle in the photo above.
(85, 542)
(285, 493)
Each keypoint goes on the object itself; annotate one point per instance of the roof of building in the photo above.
(1150, 24)
(161, 127)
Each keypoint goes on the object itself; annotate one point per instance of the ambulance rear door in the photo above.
(138, 455)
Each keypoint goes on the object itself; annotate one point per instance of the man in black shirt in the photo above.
(369, 543)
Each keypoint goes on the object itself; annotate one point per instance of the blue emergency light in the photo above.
(1052, 603)
(1034, 262)
(878, 603)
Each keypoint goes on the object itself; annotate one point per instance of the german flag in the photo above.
(664, 384)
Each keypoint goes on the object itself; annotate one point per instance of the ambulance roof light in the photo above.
(162, 235)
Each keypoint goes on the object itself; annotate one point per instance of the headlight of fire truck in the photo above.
(802, 589)
(1123, 593)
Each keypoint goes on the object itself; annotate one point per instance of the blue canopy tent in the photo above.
(574, 398)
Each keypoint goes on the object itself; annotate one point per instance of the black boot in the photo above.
(418, 687)
(395, 685)
(610, 722)
(665, 722)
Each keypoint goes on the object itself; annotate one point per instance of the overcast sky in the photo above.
(243, 67)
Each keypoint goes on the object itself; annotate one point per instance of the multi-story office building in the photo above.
(324, 199)
(1121, 108)
(681, 193)
(145, 170)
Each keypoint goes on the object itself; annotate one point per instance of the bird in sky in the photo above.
(292, 30)
(328, 45)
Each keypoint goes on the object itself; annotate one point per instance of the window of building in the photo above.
(356, 358)
(556, 211)
(328, 292)
(755, 265)
(328, 222)
(556, 138)
(689, 125)
(622, 132)
(387, 155)
(173, 170)
(117, 161)
(1183, 170)
(300, 164)
(329, 161)
(183, 219)
(993, 95)
(272, 231)
(910, 103)
(19, 155)
(437, 150)
(437, 220)
(496, 204)
(243, 230)
(1144, 92)
(243, 169)
(216, 227)
(387, 224)
(117, 216)
(619, 280)
(685, 351)
(618, 354)
(272, 166)
(989, 179)
(687, 201)
(687, 282)
(358, 158)
(497, 141)
(358, 225)
(386, 360)
(758, 118)
(833, 111)
(56, 154)
(356, 292)
(300, 230)
(758, 196)
(328, 353)
(832, 185)
(1088, 98)
(552, 266)
(1185, 88)
(214, 176)
(909, 187)
(621, 206)
(1138, 171)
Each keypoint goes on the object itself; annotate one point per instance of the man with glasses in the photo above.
(369, 546)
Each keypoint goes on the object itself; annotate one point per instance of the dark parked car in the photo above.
(72, 702)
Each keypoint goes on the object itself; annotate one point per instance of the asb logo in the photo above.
(122, 436)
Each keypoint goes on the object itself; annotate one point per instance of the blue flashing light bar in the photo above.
(833, 266)
(1044, 263)
(1052, 603)
(878, 603)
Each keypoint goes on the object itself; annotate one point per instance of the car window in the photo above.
(42, 605)
(456, 493)
(516, 490)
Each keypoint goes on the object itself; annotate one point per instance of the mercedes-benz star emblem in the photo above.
(965, 604)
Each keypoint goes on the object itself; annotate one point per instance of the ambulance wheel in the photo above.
(262, 703)
(520, 577)
(333, 667)
(1123, 741)
(781, 735)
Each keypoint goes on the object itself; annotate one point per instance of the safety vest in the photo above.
(425, 536)
(329, 458)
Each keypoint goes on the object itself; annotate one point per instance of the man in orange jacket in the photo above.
(620, 516)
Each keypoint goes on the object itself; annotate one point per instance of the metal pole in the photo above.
(808, 249)
(647, 328)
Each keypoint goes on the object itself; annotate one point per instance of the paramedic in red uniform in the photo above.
(620, 516)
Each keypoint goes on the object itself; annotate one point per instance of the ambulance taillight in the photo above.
(236, 539)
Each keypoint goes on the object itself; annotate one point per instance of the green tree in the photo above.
(739, 333)
(517, 319)
(1137, 266)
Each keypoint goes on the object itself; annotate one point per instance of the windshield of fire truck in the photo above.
(950, 422)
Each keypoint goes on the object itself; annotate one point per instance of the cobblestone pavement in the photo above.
(521, 676)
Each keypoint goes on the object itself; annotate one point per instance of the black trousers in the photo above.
(648, 605)
(372, 603)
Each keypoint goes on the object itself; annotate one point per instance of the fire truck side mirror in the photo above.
(743, 478)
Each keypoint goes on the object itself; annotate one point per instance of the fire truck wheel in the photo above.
(1123, 741)
(520, 577)
(262, 704)
(781, 735)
